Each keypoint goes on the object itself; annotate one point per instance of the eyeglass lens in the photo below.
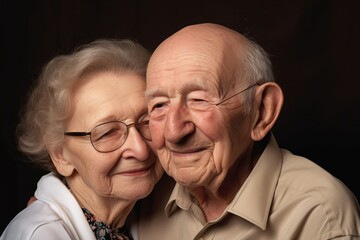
(110, 136)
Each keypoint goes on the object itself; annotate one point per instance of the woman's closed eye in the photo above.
(106, 134)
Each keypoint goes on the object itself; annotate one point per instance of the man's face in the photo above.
(197, 141)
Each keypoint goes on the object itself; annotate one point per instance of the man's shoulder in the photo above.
(305, 185)
(304, 176)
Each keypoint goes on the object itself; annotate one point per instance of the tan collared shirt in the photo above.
(285, 197)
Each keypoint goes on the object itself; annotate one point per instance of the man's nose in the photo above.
(178, 123)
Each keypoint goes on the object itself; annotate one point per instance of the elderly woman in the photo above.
(86, 122)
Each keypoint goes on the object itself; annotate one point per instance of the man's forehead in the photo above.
(180, 86)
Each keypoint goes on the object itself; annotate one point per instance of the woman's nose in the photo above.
(135, 145)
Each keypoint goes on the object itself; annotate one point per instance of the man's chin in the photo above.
(188, 180)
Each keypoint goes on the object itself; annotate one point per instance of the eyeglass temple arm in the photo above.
(224, 100)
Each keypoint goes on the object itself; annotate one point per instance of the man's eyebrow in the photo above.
(152, 93)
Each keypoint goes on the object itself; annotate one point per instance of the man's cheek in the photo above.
(157, 136)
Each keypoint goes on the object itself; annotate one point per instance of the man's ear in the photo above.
(62, 165)
(269, 99)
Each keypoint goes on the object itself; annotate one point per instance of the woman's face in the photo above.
(131, 171)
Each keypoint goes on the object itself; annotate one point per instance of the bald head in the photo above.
(206, 33)
(210, 42)
(209, 45)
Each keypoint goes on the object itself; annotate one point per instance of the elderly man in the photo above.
(212, 103)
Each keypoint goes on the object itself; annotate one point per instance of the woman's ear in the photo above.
(62, 165)
(269, 99)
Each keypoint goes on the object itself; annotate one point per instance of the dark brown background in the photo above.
(314, 46)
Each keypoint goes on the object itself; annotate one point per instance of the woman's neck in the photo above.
(111, 211)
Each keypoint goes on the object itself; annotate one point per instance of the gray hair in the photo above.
(49, 105)
(255, 67)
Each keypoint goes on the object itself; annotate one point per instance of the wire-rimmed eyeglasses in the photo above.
(247, 88)
(109, 136)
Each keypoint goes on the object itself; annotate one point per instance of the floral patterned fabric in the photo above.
(104, 231)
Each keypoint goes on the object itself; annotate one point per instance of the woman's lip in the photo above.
(136, 171)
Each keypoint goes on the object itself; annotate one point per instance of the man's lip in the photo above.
(186, 151)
